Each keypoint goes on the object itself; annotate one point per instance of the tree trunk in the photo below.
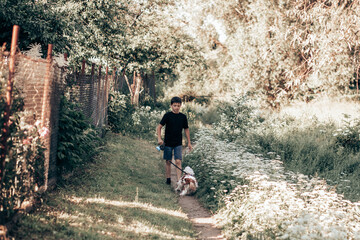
(137, 86)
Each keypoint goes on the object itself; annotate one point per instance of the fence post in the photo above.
(114, 80)
(98, 98)
(45, 109)
(92, 93)
(9, 89)
(82, 83)
(47, 84)
(3, 48)
(153, 85)
(83, 67)
(106, 92)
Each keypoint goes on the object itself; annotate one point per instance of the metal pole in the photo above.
(9, 89)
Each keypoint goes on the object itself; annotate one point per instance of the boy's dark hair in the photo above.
(175, 100)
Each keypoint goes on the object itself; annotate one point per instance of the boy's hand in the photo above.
(160, 142)
(190, 147)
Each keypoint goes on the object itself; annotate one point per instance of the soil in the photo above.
(202, 220)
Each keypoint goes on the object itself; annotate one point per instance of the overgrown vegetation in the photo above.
(126, 119)
(256, 195)
(280, 51)
(78, 140)
(316, 149)
(24, 163)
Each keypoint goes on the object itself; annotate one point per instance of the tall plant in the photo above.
(24, 163)
(78, 139)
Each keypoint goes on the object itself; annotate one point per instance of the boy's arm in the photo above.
(187, 133)
(158, 131)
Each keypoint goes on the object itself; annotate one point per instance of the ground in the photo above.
(202, 220)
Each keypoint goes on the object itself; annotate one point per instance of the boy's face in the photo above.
(176, 107)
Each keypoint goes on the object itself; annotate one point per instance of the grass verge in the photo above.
(121, 195)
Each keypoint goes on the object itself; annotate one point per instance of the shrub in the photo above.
(120, 112)
(257, 198)
(78, 140)
(24, 163)
(144, 121)
(349, 135)
(236, 118)
(125, 118)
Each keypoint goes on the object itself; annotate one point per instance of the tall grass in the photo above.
(284, 176)
(318, 141)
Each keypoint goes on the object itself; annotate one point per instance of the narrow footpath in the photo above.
(202, 220)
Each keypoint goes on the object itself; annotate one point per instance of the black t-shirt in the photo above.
(174, 124)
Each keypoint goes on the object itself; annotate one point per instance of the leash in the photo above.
(178, 167)
(161, 147)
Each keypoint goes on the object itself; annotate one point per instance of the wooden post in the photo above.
(81, 82)
(46, 111)
(83, 67)
(357, 80)
(8, 92)
(114, 80)
(92, 69)
(153, 86)
(138, 82)
(46, 85)
(98, 98)
(106, 92)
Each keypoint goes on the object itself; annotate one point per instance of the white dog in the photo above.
(187, 184)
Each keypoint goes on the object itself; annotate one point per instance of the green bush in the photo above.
(125, 118)
(78, 140)
(236, 118)
(349, 135)
(24, 162)
(120, 112)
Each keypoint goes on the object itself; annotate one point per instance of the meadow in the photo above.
(281, 175)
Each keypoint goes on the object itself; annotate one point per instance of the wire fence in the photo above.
(40, 84)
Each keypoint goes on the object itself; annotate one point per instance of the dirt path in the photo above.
(201, 218)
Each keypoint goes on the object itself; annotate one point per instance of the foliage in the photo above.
(349, 135)
(280, 51)
(145, 121)
(120, 112)
(236, 118)
(78, 140)
(212, 168)
(257, 198)
(315, 149)
(39, 23)
(24, 163)
(124, 118)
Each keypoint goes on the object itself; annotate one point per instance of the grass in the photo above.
(121, 195)
(303, 135)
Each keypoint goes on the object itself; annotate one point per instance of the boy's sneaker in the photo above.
(168, 181)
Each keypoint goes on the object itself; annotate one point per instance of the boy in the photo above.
(174, 123)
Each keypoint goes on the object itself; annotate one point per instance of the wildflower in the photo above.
(27, 141)
(43, 131)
